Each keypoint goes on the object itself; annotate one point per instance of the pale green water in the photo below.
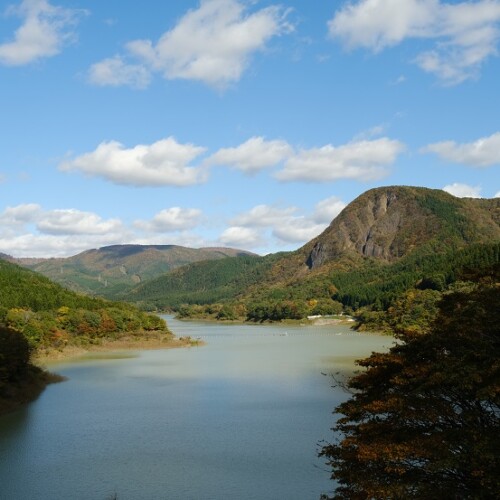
(239, 418)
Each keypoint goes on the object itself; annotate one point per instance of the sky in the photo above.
(240, 123)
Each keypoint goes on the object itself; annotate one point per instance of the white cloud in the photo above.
(285, 225)
(165, 162)
(212, 44)
(298, 230)
(30, 231)
(114, 72)
(20, 214)
(327, 210)
(71, 221)
(497, 195)
(46, 245)
(362, 160)
(375, 131)
(253, 155)
(241, 237)
(463, 190)
(44, 32)
(465, 33)
(263, 216)
(57, 222)
(172, 219)
(484, 152)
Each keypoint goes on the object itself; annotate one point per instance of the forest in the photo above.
(371, 290)
(422, 420)
(37, 314)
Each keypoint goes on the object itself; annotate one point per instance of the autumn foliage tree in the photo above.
(424, 418)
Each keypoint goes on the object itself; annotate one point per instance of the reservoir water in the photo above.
(238, 418)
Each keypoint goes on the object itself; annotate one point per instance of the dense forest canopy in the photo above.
(50, 316)
(423, 420)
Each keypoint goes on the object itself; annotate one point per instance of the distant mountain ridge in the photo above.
(111, 270)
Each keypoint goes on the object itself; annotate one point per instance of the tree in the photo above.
(423, 419)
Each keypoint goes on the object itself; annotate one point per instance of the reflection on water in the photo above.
(237, 418)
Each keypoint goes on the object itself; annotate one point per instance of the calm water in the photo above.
(239, 418)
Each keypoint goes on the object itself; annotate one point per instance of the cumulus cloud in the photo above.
(253, 155)
(212, 44)
(264, 216)
(28, 230)
(465, 33)
(46, 245)
(62, 221)
(484, 152)
(463, 190)
(298, 230)
(20, 214)
(172, 219)
(114, 72)
(497, 195)
(46, 28)
(165, 162)
(360, 160)
(71, 221)
(284, 224)
(241, 237)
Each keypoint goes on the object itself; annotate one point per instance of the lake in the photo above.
(238, 418)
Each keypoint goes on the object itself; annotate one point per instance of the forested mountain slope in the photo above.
(386, 241)
(110, 271)
(48, 315)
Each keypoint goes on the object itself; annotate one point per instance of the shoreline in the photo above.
(51, 356)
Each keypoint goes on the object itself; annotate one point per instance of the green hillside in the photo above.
(203, 282)
(113, 270)
(48, 315)
(386, 242)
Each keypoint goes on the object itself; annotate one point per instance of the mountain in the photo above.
(110, 271)
(389, 223)
(202, 282)
(381, 244)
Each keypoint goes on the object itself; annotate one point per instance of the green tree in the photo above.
(424, 418)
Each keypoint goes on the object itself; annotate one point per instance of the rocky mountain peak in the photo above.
(388, 223)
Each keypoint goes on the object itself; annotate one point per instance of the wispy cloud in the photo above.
(465, 34)
(212, 44)
(44, 31)
(114, 72)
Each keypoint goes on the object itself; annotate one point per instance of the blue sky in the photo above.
(237, 123)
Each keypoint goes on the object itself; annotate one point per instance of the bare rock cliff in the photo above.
(388, 223)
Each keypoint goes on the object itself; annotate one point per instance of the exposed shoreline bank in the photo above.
(53, 356)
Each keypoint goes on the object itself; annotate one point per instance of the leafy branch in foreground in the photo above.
(424, 420)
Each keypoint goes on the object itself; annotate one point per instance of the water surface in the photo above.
(238, 418)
